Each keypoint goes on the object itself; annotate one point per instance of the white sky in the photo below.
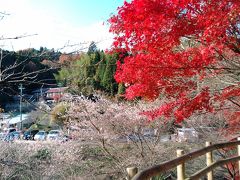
(53, 28)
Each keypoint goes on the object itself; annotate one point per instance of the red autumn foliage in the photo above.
(153, 31)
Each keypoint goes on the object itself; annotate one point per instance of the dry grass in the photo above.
(77, 160)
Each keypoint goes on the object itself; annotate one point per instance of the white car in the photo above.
(53, 135)
(40, 136)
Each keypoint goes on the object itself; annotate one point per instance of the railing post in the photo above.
(238, 155)
(209, 159)
(131, 171)
(180, 167)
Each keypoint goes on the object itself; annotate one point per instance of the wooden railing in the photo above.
(179, 162)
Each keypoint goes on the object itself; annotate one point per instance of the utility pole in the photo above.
(20, 105)
(1, 64)
(41, 93)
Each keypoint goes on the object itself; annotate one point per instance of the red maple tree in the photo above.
(175, 44)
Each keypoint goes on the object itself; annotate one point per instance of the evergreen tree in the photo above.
(108, 81)
(100, 71)
(92, 48)
(92, 72)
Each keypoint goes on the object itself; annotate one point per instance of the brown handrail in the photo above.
(165, 166)
(207, 169)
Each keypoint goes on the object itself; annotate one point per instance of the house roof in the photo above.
(50, 90)
(14, 120)
(55, 90)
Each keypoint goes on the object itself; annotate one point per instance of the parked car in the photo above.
(53, 135)
(2, 135)
(65, 138)
(29, 135)
(40, 136)
(12, 136)
(16, 135)
(57, 135)
(9, 130)
(9, 134)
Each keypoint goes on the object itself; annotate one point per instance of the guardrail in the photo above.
(179, 162)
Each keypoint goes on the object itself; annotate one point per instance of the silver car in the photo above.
(40, 136)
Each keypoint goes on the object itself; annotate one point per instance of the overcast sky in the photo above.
(57, 22)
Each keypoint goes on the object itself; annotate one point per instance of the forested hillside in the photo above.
(90, 72)
(30, 67)
(84, 73)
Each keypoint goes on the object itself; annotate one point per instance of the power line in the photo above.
(26, 100)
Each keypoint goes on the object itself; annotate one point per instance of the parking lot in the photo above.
(11, 134)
